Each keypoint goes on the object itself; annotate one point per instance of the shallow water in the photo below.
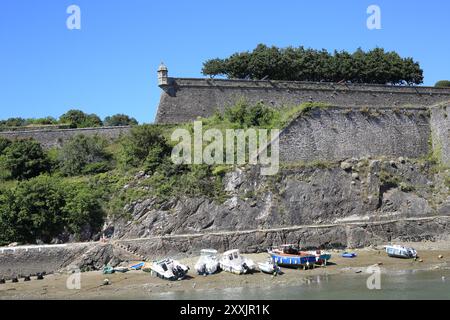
(400, 285)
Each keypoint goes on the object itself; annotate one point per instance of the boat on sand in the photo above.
(401, 252)
(169, 269)
(232, 261)
(207, 263)
(289, 255)
(269, 267)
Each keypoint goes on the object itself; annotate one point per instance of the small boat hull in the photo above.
(137, 266)
(349, 255)
(269, 268)
(401, 252)
(168, 269)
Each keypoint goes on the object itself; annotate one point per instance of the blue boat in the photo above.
(349, 255)
(138, 266)
(291, 256)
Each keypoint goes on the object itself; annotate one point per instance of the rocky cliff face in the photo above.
(356, 203)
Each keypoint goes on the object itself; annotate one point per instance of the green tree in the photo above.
(4, 143)
(13, 122)
(79, 119)
(44, 207)
(300, 64)
(42, 121)
(84, 155)
(24, 159)
(145, 145)
(443, 84)
(119, 120)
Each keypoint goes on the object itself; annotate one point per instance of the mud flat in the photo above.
(140, 285)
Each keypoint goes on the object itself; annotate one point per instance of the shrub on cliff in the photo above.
(41, 121)
(13, 122)
(300, 64)
(79, 119)
(249, 115)
(44, 207)
(119, 120)
(84, 155)
(443, 84)
(4, 143)
(24, 159)
(144, 146)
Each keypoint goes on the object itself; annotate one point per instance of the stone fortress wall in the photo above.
(338, 133)
(365, 120)
(183, 100)
(50, 138)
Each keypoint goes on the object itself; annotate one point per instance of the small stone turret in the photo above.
(163, 75)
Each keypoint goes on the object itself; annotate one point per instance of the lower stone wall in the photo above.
(56, 138)
(440, 126)
(356, 235)
(341, 133)
(342, 236)
(47, 260)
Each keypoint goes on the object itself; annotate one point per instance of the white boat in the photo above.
(233, 262)
(269, 267)
(400, 252)
(168, 269)
(208, 262)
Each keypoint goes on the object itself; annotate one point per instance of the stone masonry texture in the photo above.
(187, 99)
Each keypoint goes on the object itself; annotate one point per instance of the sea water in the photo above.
(433, 284)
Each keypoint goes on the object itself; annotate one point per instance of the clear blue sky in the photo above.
(109, 66)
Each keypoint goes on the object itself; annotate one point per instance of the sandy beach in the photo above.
(141, 285)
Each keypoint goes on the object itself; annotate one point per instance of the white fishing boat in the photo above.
(269, 267)
(233, 262)
(400, 252)
(168, 269)
(208, 263)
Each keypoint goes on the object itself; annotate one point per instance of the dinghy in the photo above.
(289, 255)
(121, 269)
(137, 266)
(207, 263)
(269, 267)
(108, 269)
(169, 269)
(401, 252)
(233, 262)
(349, 255)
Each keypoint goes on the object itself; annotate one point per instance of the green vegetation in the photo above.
(84, 155)
(119, 120)
(390, 180)
(300, 64)
(23, 159)
(443, 84)
(72, 118)
(44, 207)
(79, 119)
(245, 115)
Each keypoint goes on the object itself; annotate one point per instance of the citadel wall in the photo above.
(341, 133)
(55, 138)
(184, 100)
